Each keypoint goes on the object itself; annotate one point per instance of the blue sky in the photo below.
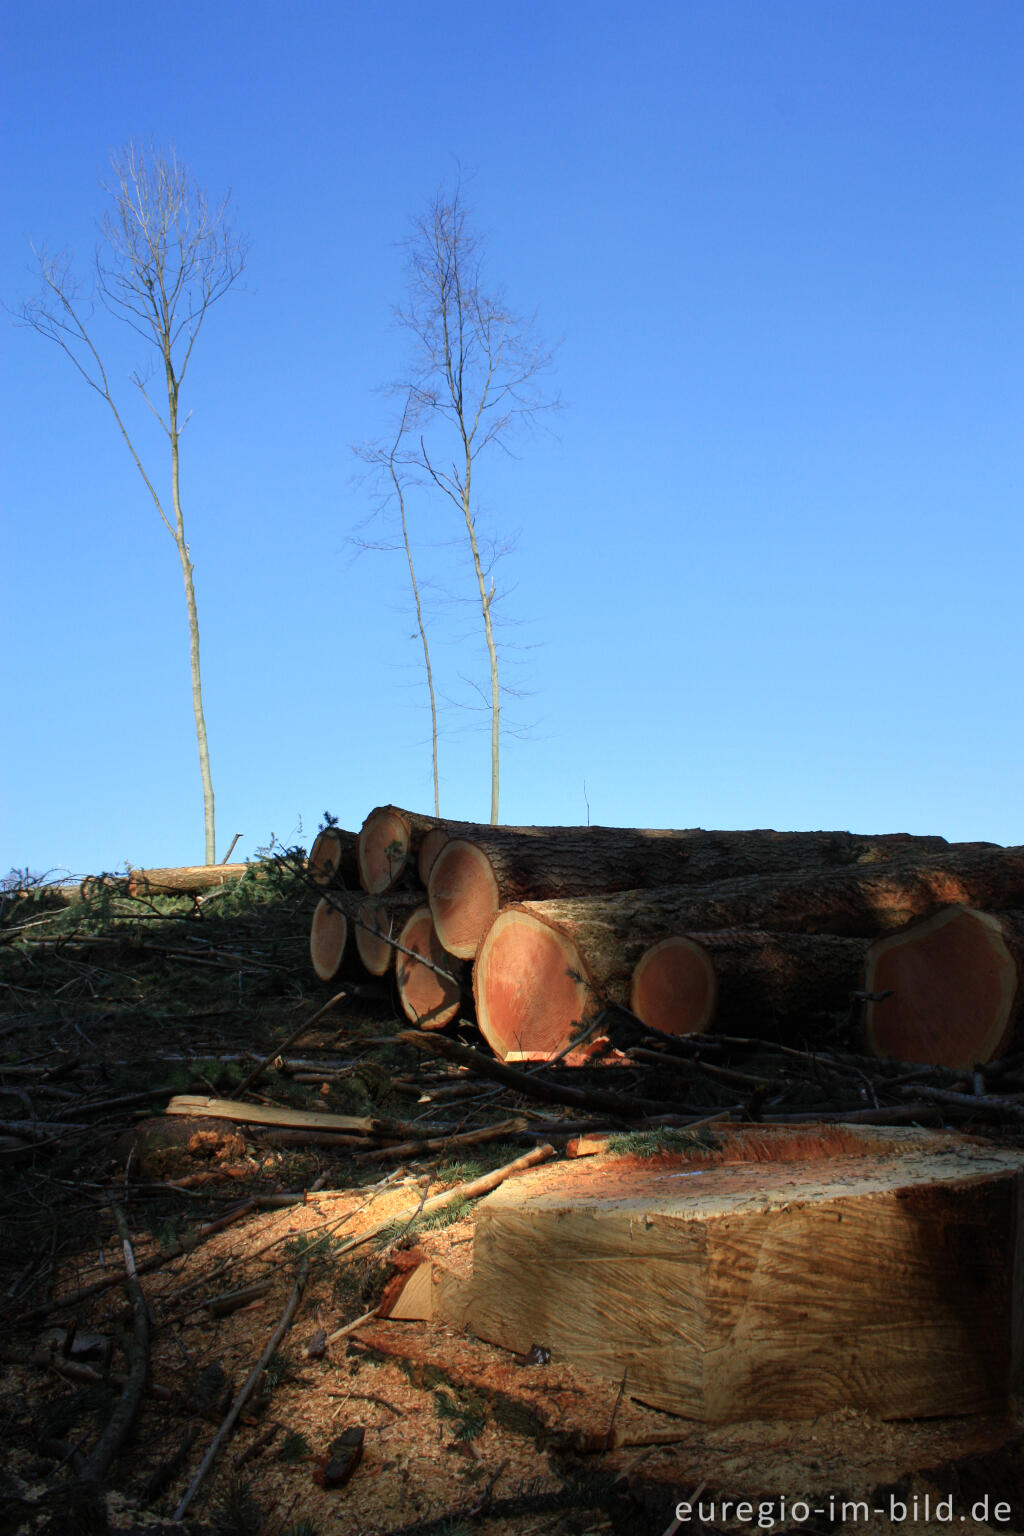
(767, 559)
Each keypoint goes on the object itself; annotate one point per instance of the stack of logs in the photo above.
(548, 931)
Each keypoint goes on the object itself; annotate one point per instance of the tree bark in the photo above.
(182, 881)
(475, 875)
(956, 981)
(860, 901)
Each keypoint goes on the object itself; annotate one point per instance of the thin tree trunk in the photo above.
(419, 625)
(193, 629)
(486, 598)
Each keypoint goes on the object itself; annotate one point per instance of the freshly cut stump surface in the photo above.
(779, 1273)
(429, 1000)
(328, 935)
(957, 987)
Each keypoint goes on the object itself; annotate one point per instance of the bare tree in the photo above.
(165, 256)
(475, 378)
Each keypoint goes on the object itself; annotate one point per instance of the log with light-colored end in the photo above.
(957, 988)
(674, 987)
(328, 934)
(532, 987)
(464, 895)
(430, 1000)
(378, 920)
(332, 858)
(383, 847)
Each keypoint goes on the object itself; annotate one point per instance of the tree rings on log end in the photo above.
(464, 896)
(428, 851)
(956, 989)
(382, 849)
(327, 937)
(372, 926)
(533, 989)
(674, 987)
(328, 854)
(429, 1000)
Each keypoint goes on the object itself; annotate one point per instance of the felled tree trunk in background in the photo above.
(957, 985)
(474, 876)
(183, 880)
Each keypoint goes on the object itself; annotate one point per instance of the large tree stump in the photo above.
(782, 1274)
(474, 876)
(957, 988)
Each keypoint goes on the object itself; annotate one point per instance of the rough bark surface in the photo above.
(776, 984)
(183, 880)
(858, 902)
(956, 981)
(474, 876)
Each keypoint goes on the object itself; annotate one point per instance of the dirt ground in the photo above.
(110, 1006)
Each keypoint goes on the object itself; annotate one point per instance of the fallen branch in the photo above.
(126, 1411)
(444, 1143)
(472, 1189)
(623, 1105)
(247, 1390)
(295, 1035)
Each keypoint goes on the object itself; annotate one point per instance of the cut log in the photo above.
(376, 921)
(328, 935)
(182, 881)
(772, 984)
(864, 902)
(474, 876)
(332, 859)
(537, 978)
(533, 990)
(386, 842)
(957, 989)
(787, 1274)
(431, 1000)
